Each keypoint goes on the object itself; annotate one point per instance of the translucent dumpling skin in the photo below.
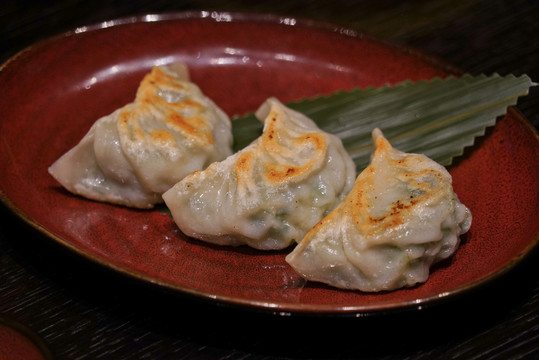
(132, 156)
(401, 216)
(269, 194)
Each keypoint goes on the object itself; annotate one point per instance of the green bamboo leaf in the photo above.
(438, 117)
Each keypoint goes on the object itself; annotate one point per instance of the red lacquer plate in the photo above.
(55, 90)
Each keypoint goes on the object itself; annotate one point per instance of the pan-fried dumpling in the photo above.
(269, 194)
(401, 216)
(132, 156)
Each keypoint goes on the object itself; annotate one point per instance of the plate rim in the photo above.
(280, 308)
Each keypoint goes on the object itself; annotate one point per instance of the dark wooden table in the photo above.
(82, 311)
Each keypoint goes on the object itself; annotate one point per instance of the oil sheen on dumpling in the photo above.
(132, 156)
(401, 216)
(269, 194)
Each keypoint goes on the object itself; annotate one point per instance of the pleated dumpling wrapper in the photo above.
(401, 216)
(269, 194)
(132, 156)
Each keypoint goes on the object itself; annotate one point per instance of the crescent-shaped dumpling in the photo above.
(401, 216)
(132, 156)
(269, 194)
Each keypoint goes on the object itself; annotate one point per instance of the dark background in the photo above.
(84, 312)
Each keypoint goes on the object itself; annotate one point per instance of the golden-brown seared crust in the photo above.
(139, 151)
(157, 77)
(162, 136)
(425, 185)
(282, 161)
(184, 115)
(243, 168)
(195, 126)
